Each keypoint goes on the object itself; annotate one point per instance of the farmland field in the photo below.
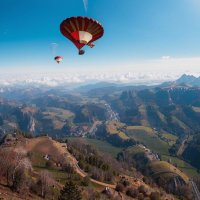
(141, 129)
(152, 142)
(117, 128)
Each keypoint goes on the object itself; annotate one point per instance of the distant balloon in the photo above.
(82, 31)
(54, 47)
(58, 59)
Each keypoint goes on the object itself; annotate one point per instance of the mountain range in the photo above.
(171, 106)
(153, 129)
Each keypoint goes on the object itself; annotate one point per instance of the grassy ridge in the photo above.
(146, 136)
(181, 164)
(170, 136)
(160, 146)
(135, 150)
(141, 129)
(179, 122)
(196, 109)
(166, 170)
(116, 128)
(143, 112)
(102, 146)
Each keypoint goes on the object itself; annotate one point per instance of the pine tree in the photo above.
(70, 192)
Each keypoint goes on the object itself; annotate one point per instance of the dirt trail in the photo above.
(57, 148)
(48, 146)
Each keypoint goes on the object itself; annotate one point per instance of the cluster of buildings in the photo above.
(79, 130)
(150, 155)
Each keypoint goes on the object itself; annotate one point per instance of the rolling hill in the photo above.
(174, 110)
(41, 151)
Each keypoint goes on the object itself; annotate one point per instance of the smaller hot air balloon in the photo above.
(58, 59)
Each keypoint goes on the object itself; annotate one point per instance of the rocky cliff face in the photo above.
(26, 121)
(31, 125)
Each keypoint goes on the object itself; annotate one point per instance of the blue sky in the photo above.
(146, 34)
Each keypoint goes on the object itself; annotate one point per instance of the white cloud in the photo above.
(165, 57)
(155, 71)
(52, 79)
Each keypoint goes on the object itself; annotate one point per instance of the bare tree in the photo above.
(108, 176)
(45, 182)
(15, 168)
(22, 182)
(96, 174)
(119, 187)
(6, 160)
(20, 163)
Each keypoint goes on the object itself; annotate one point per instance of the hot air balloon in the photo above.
(81, 31)
(58, 59)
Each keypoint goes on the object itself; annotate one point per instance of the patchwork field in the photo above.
(118, 129)
(141, 129)
(151, 141)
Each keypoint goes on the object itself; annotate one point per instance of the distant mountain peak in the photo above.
(186, 79)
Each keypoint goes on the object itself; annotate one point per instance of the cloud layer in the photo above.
(58, 79)
(148, 72)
